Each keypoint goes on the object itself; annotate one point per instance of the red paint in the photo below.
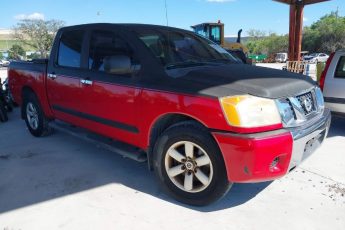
(324, 72)
(141, 108)
(249, 159)
(33, 80)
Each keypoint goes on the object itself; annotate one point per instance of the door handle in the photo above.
(52, 75)
(86, 82)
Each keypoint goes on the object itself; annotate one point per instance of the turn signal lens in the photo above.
(249, 111)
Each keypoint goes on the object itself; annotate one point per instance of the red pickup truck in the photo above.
(202, 119)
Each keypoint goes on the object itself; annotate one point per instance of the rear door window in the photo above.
(70, 47)
(105, 48)
(340, 70)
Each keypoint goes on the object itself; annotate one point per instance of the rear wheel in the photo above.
(34, 117)
(189, 165)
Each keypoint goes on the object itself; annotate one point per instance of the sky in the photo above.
(264, 15)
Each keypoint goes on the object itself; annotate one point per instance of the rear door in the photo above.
(334, 89)
(109, 97)
(64, 74)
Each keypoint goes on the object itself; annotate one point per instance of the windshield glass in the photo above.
(313, 55)
(177, 49)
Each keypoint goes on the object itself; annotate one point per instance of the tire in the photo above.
(187, 182)
(35, 119)
(3, 113)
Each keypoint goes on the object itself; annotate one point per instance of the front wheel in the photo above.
(190, 166)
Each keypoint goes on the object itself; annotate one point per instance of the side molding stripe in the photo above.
(100, 120)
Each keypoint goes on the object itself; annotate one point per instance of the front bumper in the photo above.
(270, 155)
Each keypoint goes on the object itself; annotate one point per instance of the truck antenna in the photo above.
(166, 12)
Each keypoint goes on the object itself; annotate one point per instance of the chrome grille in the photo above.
(297, 110)
(307, 103)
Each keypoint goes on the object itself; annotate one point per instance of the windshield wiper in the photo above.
(222, 60)
(187, 64)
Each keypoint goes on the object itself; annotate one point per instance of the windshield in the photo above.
(313, 55)
(177, 49)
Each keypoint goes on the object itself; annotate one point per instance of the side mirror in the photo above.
(118, 64)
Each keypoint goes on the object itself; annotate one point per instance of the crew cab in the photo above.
(203, 120)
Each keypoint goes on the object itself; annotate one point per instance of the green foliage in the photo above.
(1, 56)
(267, 44)
(326, 35)
(38, 34)
(34, 56)
(7, 44)
(16, 52)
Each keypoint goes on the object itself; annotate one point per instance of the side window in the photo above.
(340, 70)
(69, 54)
(109, 53)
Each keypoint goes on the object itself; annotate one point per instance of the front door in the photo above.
(108, 101)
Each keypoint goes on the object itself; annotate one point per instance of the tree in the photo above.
(261, 43)
(16, 52)
(33, 56)
(256, 34)
(326, 35)
(1, 56)
(38, 34)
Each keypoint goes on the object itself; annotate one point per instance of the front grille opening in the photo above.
(307, 103)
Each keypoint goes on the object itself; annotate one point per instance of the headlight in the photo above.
(248, 111)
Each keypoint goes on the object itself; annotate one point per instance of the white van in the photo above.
(281, 57)
(332, 82)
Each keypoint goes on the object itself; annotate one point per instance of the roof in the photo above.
(123, 25)
(209, 23)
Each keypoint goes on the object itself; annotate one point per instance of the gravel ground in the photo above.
(61, 182)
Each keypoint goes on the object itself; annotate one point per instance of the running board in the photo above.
(125, 150)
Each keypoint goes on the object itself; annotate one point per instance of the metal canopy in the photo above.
(296, 25)
(305, 2)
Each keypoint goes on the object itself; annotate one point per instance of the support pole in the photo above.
(292, 32)
(298, 31)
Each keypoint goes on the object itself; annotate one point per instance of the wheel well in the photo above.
(25, 92)
(163, 124)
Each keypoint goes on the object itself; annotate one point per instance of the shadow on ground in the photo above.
(337, 126)
(34, 170)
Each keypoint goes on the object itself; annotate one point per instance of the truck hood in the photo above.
(235, 79)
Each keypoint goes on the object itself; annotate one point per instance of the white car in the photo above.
(4, 63)
(316, 57)
(332, 82)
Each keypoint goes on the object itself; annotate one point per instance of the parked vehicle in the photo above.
(4, 63)
(281, 57)
(316, 57)
(203, 120)
(332, 82)
(303, 54)
(3, 110)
